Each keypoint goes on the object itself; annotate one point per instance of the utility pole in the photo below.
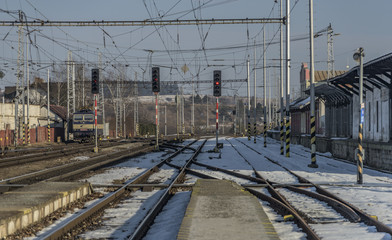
(207, 115)
(156, 121)
(244, 120)
(223, 125)
(193, 109)
(165, 122)
(68, 90)
(28, 94)
(282, 122)
(177, 118)
(313, 163)
(358, 57)
(235, 115)
(83, 105)
(73, 88)
(247, 71)
(48, 108)
(331, 60)
(102, 91)
(117, 112)
(255, 102)
(288, 66)
(183, 110)
(23, 101)
(124, 117)
(265, 91)
(19, 74)
(135, 112)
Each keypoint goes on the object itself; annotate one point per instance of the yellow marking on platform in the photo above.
(288, 218)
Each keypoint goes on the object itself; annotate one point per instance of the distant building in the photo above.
(300, 108)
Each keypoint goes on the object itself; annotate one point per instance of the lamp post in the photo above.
(358, 57)
(313, 163)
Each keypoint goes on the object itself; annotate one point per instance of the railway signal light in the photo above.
(155, 80)
(95, 81)
(217, 83)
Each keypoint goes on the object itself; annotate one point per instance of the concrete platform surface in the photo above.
(31, 203)
(221, 209)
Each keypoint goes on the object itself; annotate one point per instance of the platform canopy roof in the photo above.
(332, 95)
(377, 74)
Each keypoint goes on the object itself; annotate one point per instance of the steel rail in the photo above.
(283, 209)
(281, 205)
(364, 217)
(40, 156)
(149, 219)
(66, 226)
(81, 165)
(339, 206)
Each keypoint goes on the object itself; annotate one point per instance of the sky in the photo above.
(126, 50)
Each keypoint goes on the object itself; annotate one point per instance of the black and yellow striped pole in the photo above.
(313, 163)
(249, 135)
(249, 131)
(288, 133)
(48, 108)
(48, 130)
(265, 91)
(288, 75)
(28, 131)
(24, 132)
(358, 56)
(281, 136)
(265, 132)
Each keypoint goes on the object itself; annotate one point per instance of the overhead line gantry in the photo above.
(93, 23)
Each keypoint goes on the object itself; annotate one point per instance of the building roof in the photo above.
(300, 103)
(58, 110)
(323, 75)
(377, 73)
(332, 95)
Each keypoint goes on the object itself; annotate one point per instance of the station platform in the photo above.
(29, 204)
(221, 209)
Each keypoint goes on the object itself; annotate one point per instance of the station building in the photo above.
(338, 112)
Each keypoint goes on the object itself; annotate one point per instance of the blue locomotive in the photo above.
(83, 126)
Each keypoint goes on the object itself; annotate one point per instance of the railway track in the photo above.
(310, 206)
(73, 169)
(51, 153)
(349, 211)
(142, 227)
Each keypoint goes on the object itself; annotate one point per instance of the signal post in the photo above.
(95, 91)
(217, 93)
(156, 89)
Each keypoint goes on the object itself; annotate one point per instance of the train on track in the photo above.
(83, 126)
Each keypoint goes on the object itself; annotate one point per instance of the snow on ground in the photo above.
(376, 201)
(317, 211)
(121, 221)
(168, 222)
(374, 196)
(127, 169)
(347, 230)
